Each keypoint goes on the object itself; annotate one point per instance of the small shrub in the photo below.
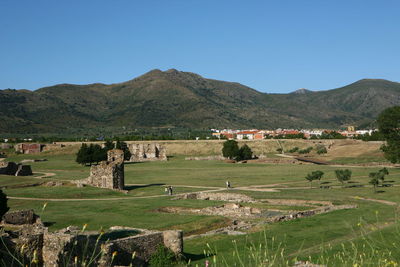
(163, 257)
(321, 149)
(293, 150)
(306, 151)
(279, 150)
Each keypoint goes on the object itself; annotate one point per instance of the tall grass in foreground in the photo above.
(376, 245)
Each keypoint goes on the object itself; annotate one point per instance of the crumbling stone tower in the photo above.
(115, 155)
(108, 174)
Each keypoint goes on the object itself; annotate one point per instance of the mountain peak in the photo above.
(173, 71)
(301, 91)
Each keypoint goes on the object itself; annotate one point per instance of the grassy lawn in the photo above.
(301, 238)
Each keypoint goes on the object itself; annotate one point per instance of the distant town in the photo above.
(255, 134)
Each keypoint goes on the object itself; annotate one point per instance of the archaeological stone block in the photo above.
(20, 217)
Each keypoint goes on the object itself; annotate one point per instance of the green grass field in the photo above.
(320, 237)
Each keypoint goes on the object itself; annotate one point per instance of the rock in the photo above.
(20, 217)
(53, 184)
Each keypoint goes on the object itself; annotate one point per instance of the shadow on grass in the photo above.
(133, 187)
(48, 224)
(195, 257)
(131, 163)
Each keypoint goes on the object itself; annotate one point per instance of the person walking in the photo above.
(170, 190)
(228, 184)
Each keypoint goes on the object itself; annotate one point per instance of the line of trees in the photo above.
(341, 175)
(94, 153)
(344, 176)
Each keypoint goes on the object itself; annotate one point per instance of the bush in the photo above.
(305, 151)
(321, 149)
(3, 204)
(163, 257)
(293, 150)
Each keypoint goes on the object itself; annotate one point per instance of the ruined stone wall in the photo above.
(25, 244)
(51, 147)
(147, 152)
(115, 155)
(143, 246)
(107, 175)
(28, 148)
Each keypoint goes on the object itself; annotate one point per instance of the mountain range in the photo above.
(174, 98)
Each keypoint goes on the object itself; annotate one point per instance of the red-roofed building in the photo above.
(250, 135)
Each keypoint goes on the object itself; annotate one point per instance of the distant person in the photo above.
(166, 189)
(228, 184)
(170, 190)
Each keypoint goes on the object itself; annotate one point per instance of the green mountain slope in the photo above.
(182, 99)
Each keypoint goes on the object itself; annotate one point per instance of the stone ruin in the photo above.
(30, 239)
(34, 148)
(12, 168)
(108, 174)
(147, 152)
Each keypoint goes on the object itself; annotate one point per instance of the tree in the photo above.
(316, 175)
(99, 154)
(378, 176)
(230, 149)
(245, 153)
(124, 147)
(3, 204)
(389, 126)
(81, 156)
(374, 179)
(383, 172)
(90, 154)
(343, 175)
(108, 145)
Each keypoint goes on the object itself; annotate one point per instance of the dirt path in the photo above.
(253, 188)
(386, 202)
(107, 199)
(45, 175)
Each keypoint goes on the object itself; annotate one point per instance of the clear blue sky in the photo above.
(271, 46)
